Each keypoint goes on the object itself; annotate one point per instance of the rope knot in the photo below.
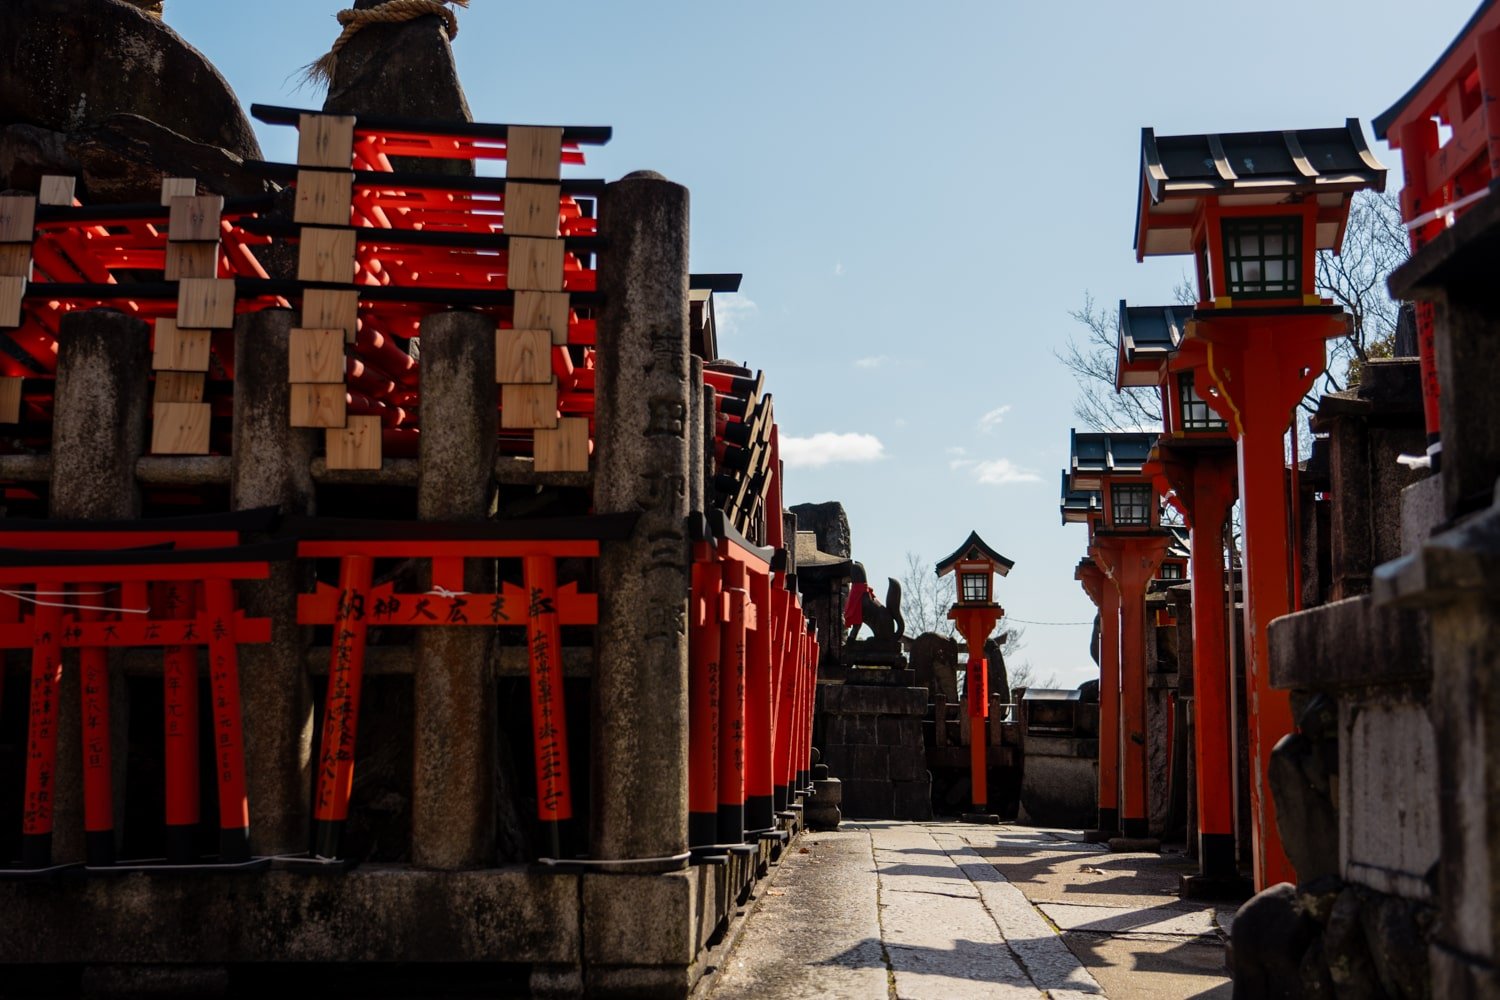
(390, 12)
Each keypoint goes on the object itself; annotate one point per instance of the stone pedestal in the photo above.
(872, 739)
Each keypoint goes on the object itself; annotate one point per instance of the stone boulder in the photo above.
(403, 70)
(66, 65)
(829, 523)
(120, 159)
(1303, 765)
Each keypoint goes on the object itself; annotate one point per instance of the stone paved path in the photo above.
(910, 911)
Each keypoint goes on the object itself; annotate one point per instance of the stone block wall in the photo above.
(872, 740)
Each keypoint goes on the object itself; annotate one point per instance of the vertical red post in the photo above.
(1109, 710)
(975, 623)
(781, 757)
(760, 814)
(1213, 493)
(554, 786)
(731, 805)
(346, 670)
(229, 735)
(180, 725)
(703, 700)
(809, 678)
(41, 736)
(1418, 141)
(98, 780)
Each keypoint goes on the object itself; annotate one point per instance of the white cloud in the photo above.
(838, 269)
(828, 447)
(730, 310)
(899, 422)
(956, 450)
(872, 362)
(993, 419)
(995, 471)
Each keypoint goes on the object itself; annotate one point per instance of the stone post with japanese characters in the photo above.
(270, 466)
(642, 465)
(454, 773)
(98, 434)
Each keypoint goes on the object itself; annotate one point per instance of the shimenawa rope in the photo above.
(152, 7)
(390, 12)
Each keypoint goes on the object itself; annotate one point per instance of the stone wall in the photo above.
(872, 740)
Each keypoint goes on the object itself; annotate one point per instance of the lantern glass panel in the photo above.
(1131, 504)
(1196, 416)
(975, 588)
(1170, 571)
(1263, 256)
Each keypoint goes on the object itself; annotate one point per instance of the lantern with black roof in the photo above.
(1253, 209)
(1128, 545)
(975, 613)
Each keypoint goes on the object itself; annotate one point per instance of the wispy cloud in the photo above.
(838, 269)
(827, 448)
(958, 450)
(871, 362)
(730, 311)
(994, 471)
(994, 418)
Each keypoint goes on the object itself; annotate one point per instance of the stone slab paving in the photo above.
(908, 911)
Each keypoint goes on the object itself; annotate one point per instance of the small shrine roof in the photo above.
(1096, 454)
(1434, 82)
(1177, 544)
(1148, 336)
(974, 547)
(809, 556)
(1077, 505)
(1247, 168)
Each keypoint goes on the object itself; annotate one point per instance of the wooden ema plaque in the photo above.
(17, 224)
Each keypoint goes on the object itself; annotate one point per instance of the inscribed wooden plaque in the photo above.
(17, 218)
(177, 187)
(324, 197)
(12, 290)
(205, 303)
(535, 265)
(10, 399)
(180, 428)
(316, 356)
(325, 141)
(533, 152)
(528, 406)
(177, 350)
(326, 255)
(532, 209)
(191, 260)
(326, 309)
(523, 357)
(563, 449)
(57, 189)
(195, 219)
(178, 387)
(542, 311)
(356, 446)
(319, 405)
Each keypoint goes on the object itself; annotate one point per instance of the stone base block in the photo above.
(1209, 887)
(984, 819)
(1135, 845)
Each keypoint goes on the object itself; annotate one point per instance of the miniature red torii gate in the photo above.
(212, 622)
(538, 603)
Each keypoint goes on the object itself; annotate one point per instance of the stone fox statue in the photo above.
(885, 620)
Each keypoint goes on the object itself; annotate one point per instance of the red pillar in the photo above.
(346, 671)
(1093, 582)
(976, 624)
(98, 786)
(1212, 495)
(1109, 709)
(1262, 366)
(703, 700)
(731, 805)
(1130, 562)
(759, 812)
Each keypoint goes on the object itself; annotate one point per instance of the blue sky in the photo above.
(917, 197)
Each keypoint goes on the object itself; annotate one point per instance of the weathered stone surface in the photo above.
(1349, 644)
(404, 70)
(1349, 962)
(454, 812)
(1059, 789)
(640, 681)
(369, 914)
(934, 658)
(1267, 941)
(1302, 766)
(270, 467)
(829, 522)
(642, 919)
(1388, 796)
(1397, 934)
(68, 64)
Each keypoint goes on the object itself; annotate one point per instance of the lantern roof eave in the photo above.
(1003, 565)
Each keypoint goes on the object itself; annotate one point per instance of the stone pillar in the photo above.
(640, 690)
(453, 781)
(271, 467)
(98, 433)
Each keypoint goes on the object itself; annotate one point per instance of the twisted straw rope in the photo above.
(390, 12)
(152, 7)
